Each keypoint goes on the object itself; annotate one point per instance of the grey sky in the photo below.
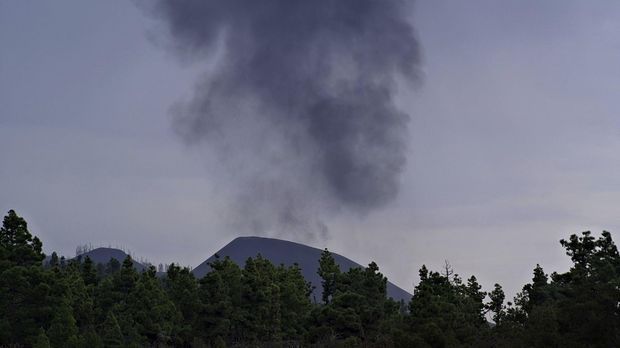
(514, 139)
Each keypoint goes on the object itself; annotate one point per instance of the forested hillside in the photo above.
(288, 253)
(73, 304)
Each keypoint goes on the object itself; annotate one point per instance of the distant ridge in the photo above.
(285, 252)
(103, 255)
(276, 250)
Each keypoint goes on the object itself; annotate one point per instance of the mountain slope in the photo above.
(103, 255)
(287, 253)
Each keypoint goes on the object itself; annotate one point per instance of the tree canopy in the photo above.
(76, 303)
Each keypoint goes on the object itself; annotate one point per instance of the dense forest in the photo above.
(74, 303)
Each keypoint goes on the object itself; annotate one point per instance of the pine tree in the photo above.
(496, 304)
(128, 276)
(26, 303)
(150, 309)
(41, 341)
(221, 296)
(54, 261)
(294, 293)
(329, 272)
(586, 297)
(63, 329)
(111, 333)
(475, 298)
(89, 273)
(182, 288)
(91, 339)
(17, 245)
(112, 266)
(261, 296)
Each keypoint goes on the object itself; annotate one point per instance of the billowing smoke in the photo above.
(299, 106)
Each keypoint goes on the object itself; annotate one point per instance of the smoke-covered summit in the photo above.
(299, 107)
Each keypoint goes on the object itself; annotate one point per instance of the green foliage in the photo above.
(221, 295)
(54, 261)
(41, 341)
(294, 301)
(68, 303)
(89, 273)
(150, 309)
(446, 312)
(329, 272)
(63, 330)
(356, 308)
(26, 303)
(496, 305)
(182, 289)
(17, 246)
(111, 333)
(91, 339)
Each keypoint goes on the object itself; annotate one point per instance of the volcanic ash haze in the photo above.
(299, 108)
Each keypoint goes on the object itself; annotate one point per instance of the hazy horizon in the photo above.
(512, 140)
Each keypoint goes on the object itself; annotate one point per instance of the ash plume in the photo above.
(299, 105)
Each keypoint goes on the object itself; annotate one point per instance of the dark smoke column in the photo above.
(300, 106)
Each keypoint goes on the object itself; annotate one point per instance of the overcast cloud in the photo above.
(513, 139)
